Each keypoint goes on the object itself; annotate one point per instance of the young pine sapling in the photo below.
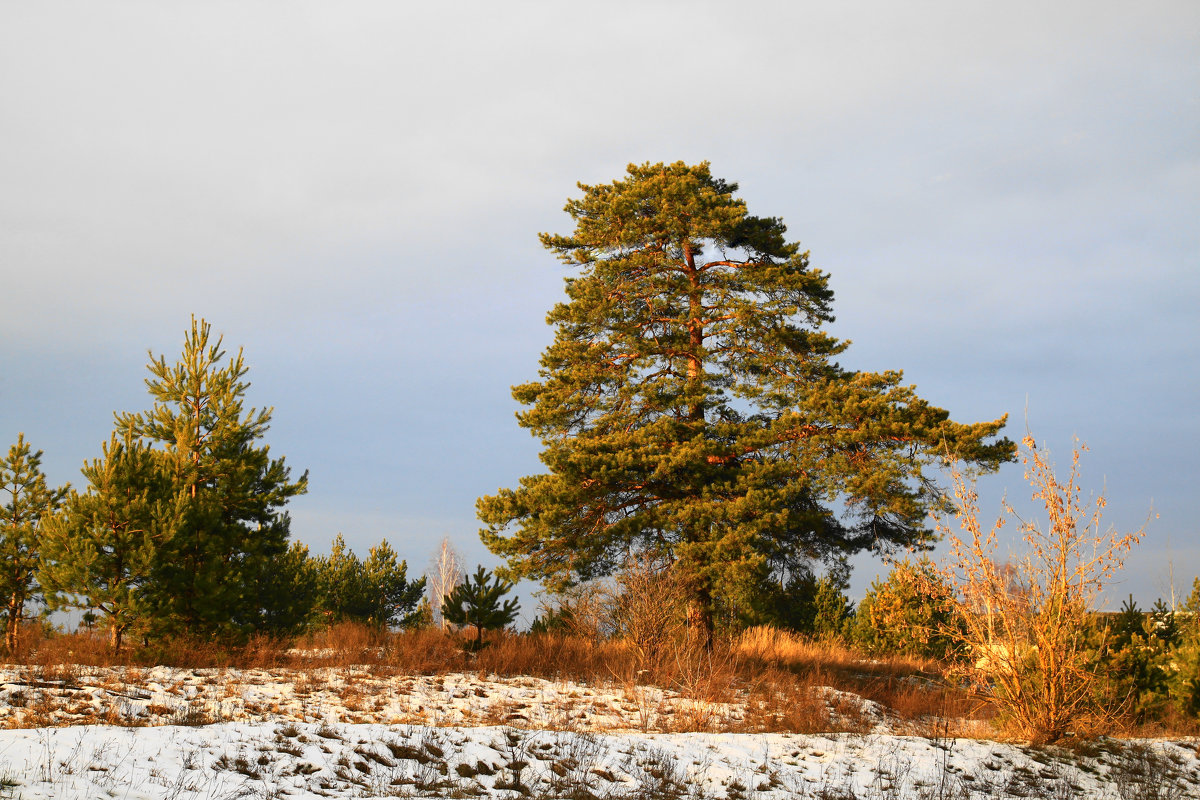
(476, 602)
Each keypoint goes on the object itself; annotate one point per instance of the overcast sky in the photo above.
(1006, 196)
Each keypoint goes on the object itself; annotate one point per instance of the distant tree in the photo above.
(1138, 666)
(913, 612)
(101, 552)
(1126, 624)
(375, 591)
(691, 407)
(339, 582)
(1151, 659)
(807, 603)
(1184, 680)
(554, 618)
(1163, 622)
(445, 572)
(26, 504)
(422, 618)
(832, 610)
(288, 596)
(397, 598)
(228, 526)
(476, 602)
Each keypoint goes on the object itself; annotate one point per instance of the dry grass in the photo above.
(1171, 722)
(787, 671)
(775, 674)
(774, 646)
(712, 675)
(781, 680)
(778, 702)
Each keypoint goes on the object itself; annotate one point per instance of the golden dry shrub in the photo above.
(1029, 621)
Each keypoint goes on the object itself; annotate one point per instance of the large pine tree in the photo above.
(690, 406)
(228, 521)
(26, 503)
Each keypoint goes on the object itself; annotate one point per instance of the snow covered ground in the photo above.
(183, 734)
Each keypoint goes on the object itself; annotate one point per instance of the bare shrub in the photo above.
(643, 612)
(583, 610)
(649, 612)
(1028, 622)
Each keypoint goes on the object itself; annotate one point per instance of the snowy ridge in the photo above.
(291, 734)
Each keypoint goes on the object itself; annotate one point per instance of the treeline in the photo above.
(179, 529)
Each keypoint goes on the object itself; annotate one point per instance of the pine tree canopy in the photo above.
(100, 553)
(26, 504)
(375, 591)
(691, 406)
(229, 493)
(476, 602)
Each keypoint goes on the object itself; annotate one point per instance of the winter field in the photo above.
(371, 731)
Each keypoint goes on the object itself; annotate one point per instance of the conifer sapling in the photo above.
(476, 602)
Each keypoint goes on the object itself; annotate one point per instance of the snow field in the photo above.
(351, 733)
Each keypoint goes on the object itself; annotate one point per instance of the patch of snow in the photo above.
(351, 733)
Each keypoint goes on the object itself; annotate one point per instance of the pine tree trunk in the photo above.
(12, 625)
(695, 370)
(700, 617)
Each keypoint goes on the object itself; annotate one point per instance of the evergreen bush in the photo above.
(476, 602)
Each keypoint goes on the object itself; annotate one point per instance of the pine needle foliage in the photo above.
(375, 591)
(476, 602)
(26, 504)
(228, 524)
(101, 552)
(691, 408)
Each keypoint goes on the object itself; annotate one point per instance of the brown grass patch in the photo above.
(772, 677)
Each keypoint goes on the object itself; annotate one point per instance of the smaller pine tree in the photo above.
(286, 598)
(476, 602)
(26, 502)
(1166, 629)
(228, 528)
(101, 551)
(1126, 624)
(913, 612)
(375, 591)
(1184, 680)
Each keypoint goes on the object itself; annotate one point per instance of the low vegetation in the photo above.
(359, 711)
